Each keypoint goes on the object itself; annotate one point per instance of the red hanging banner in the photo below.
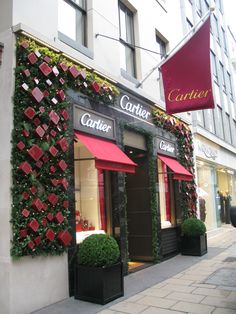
(187, 74)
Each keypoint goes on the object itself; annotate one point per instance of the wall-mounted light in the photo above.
(1, 52)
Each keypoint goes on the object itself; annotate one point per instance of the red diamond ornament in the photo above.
(59, 217)
(63, 144)
(37, 204)
(53, 133)
(37, 94)
(63, 66)
(61, 95)
(40, 131)
(95, 86)
(30, 113)
(47, 59)
(65, 114)
(37, 240)
(39, 164)
(26, 72)
(64, 237)
(54, 117)
(33, 190)
(44, 221)
(53, 151)
(45, 69)
(24, 44)
(62, 165)
(50, 216)
(32, 58)
(65, 204)
(25, 213)
(34, 225)
(83, 74)
(25, 133)
(53, 198)
(50, 235)
(25, 195)
(20, 145)
(35, 152)
(25, 167)
(62, 81)
(37, 122)
(23, 233)
(54, 182)
(53, 169)
(31, 245)
(73, 71)
(64, 183)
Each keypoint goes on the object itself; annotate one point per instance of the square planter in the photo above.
(99, 284)
(195, 246)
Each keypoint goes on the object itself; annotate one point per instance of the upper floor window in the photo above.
(214, 67)
(161, 46)
(205, 6)
(189, 25)
(220, 129)
(215, 28)
(72, 21)
(223, 77)
(229, 83)
(127, 50)
(224, 40)
(199, 7)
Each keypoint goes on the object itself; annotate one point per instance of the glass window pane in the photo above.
(67, 19)
(122, 25)
(122, 57)
(129, 61)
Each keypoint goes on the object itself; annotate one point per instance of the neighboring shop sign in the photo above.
(165, 147)
(207, 151)
(131, 106)
(93, 123)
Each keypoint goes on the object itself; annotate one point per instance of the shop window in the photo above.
(72, 24)
(166, 196)
(127, 50)
(91, 195)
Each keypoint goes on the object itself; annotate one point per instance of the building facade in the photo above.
(88, 149)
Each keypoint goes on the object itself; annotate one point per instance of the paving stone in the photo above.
(212, 292)
(232, 296)
(180, 282)
(204, 285)
(179, 288)
(156, 292)
(188, 307)
(188, 297)
(155, 310)
(107, 312)
(196, 278)
(134, 298)
(128, 307)
(224, 277)
(156, 301)
(223, 311)
(220, 302)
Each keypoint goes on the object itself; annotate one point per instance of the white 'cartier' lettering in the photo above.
(166, 147)
(100, 125)
(137, 110)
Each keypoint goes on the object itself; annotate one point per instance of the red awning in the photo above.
(107, 155)
(180, 173)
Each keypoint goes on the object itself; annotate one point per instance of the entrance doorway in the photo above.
(139, 217)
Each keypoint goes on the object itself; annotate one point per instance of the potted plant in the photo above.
(193, 237)
(99, 270)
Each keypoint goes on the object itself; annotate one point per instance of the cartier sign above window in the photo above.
(93, 123)
(131, 106)
(165, 147)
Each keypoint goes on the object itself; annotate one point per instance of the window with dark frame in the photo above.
(199, 7)
(229, 83)
(72, 18)
(214, 67)
(215, 28)
(220, 122)
(127, 42)
(224, 41)
(227, 127)
(223, 77)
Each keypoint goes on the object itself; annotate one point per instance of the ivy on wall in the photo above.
(185, 156)
(41, 139)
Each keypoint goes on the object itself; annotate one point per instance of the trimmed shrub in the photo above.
(98, 250)
(193, 227)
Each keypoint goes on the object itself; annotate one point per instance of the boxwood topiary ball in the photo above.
(193, 227)
(98, 250)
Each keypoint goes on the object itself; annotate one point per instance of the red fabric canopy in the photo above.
(107, 155)
(180, 173)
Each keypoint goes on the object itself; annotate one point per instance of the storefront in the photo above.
(216, 175)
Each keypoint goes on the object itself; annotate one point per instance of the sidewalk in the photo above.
(183, 284)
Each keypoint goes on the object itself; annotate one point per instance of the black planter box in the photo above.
(233, 215)
(195, 246)
(99, 284)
